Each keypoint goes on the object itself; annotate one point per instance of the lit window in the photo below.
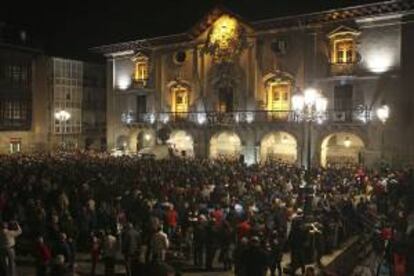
(278, 98)
(141, 68)
(343, 45)
(344, 51)
(180, 103)
(15, 145)
(141, 71)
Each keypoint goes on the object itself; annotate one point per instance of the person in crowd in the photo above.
(275, 253)
(59, 267)
(63, 248)
(131, 243)
(200, 240)
(215, 204)
(95, 253)
(8, 235)
(241, 248)
(43, 256)
(109, 253)
(159, 245)
(255, 258)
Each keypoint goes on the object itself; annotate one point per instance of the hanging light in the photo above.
(147, 136)
(62, 115)
(383, 113)
(347, 142)
(321, 104)
(311, 94)
(201, 118)
(298, 102)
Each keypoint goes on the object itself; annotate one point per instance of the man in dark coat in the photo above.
(255, 259)
(131, 242)
(297, 240)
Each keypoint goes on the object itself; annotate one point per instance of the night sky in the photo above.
(69, 28)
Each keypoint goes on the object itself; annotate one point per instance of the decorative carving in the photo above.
(226, 40)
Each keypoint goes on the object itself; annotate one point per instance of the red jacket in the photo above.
(43, 253)
(171, 218)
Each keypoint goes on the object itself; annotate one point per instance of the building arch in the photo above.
(279, 145)
(182, 143)
(225, 144)
(122, 142)
(342, 148)
(145, 139)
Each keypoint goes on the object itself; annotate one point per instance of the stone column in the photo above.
(111, 121)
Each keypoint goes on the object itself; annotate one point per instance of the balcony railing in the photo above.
(340, 69)
(355, 116)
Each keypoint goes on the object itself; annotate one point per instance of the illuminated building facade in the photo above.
(34, 86)
(225, 87)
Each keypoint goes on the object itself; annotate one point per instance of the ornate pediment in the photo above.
(140, 56)
(277, 77)
(343, 31)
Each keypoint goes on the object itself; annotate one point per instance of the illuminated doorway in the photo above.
(341, 149)
(180, 101)
(278, 146)
(145, 139)
(225, 145)
(182, 143)
(278, 99)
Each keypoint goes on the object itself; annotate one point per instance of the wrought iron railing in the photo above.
(359, 115)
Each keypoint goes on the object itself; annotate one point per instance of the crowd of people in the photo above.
(180, 211)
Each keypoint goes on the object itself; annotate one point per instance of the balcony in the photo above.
(342, 69)
(359, 115)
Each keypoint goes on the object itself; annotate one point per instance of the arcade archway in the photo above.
(278, 145)
(225, 145)
(182, 143)
(145, 139)
(341, 148)
(122, 142)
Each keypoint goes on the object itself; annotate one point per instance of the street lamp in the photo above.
(62, 116)
(383, 113)
(309, 107)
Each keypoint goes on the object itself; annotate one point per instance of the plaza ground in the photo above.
(26, 268)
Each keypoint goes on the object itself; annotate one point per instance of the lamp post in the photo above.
(383, 113)
(62, 116)
(309, 107)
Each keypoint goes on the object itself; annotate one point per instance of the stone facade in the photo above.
(28, 99)
(190, 85)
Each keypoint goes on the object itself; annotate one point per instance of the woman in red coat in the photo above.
(43, 257)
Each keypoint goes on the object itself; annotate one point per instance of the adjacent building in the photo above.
(34, 87)
(22, 93)
(225, 87)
